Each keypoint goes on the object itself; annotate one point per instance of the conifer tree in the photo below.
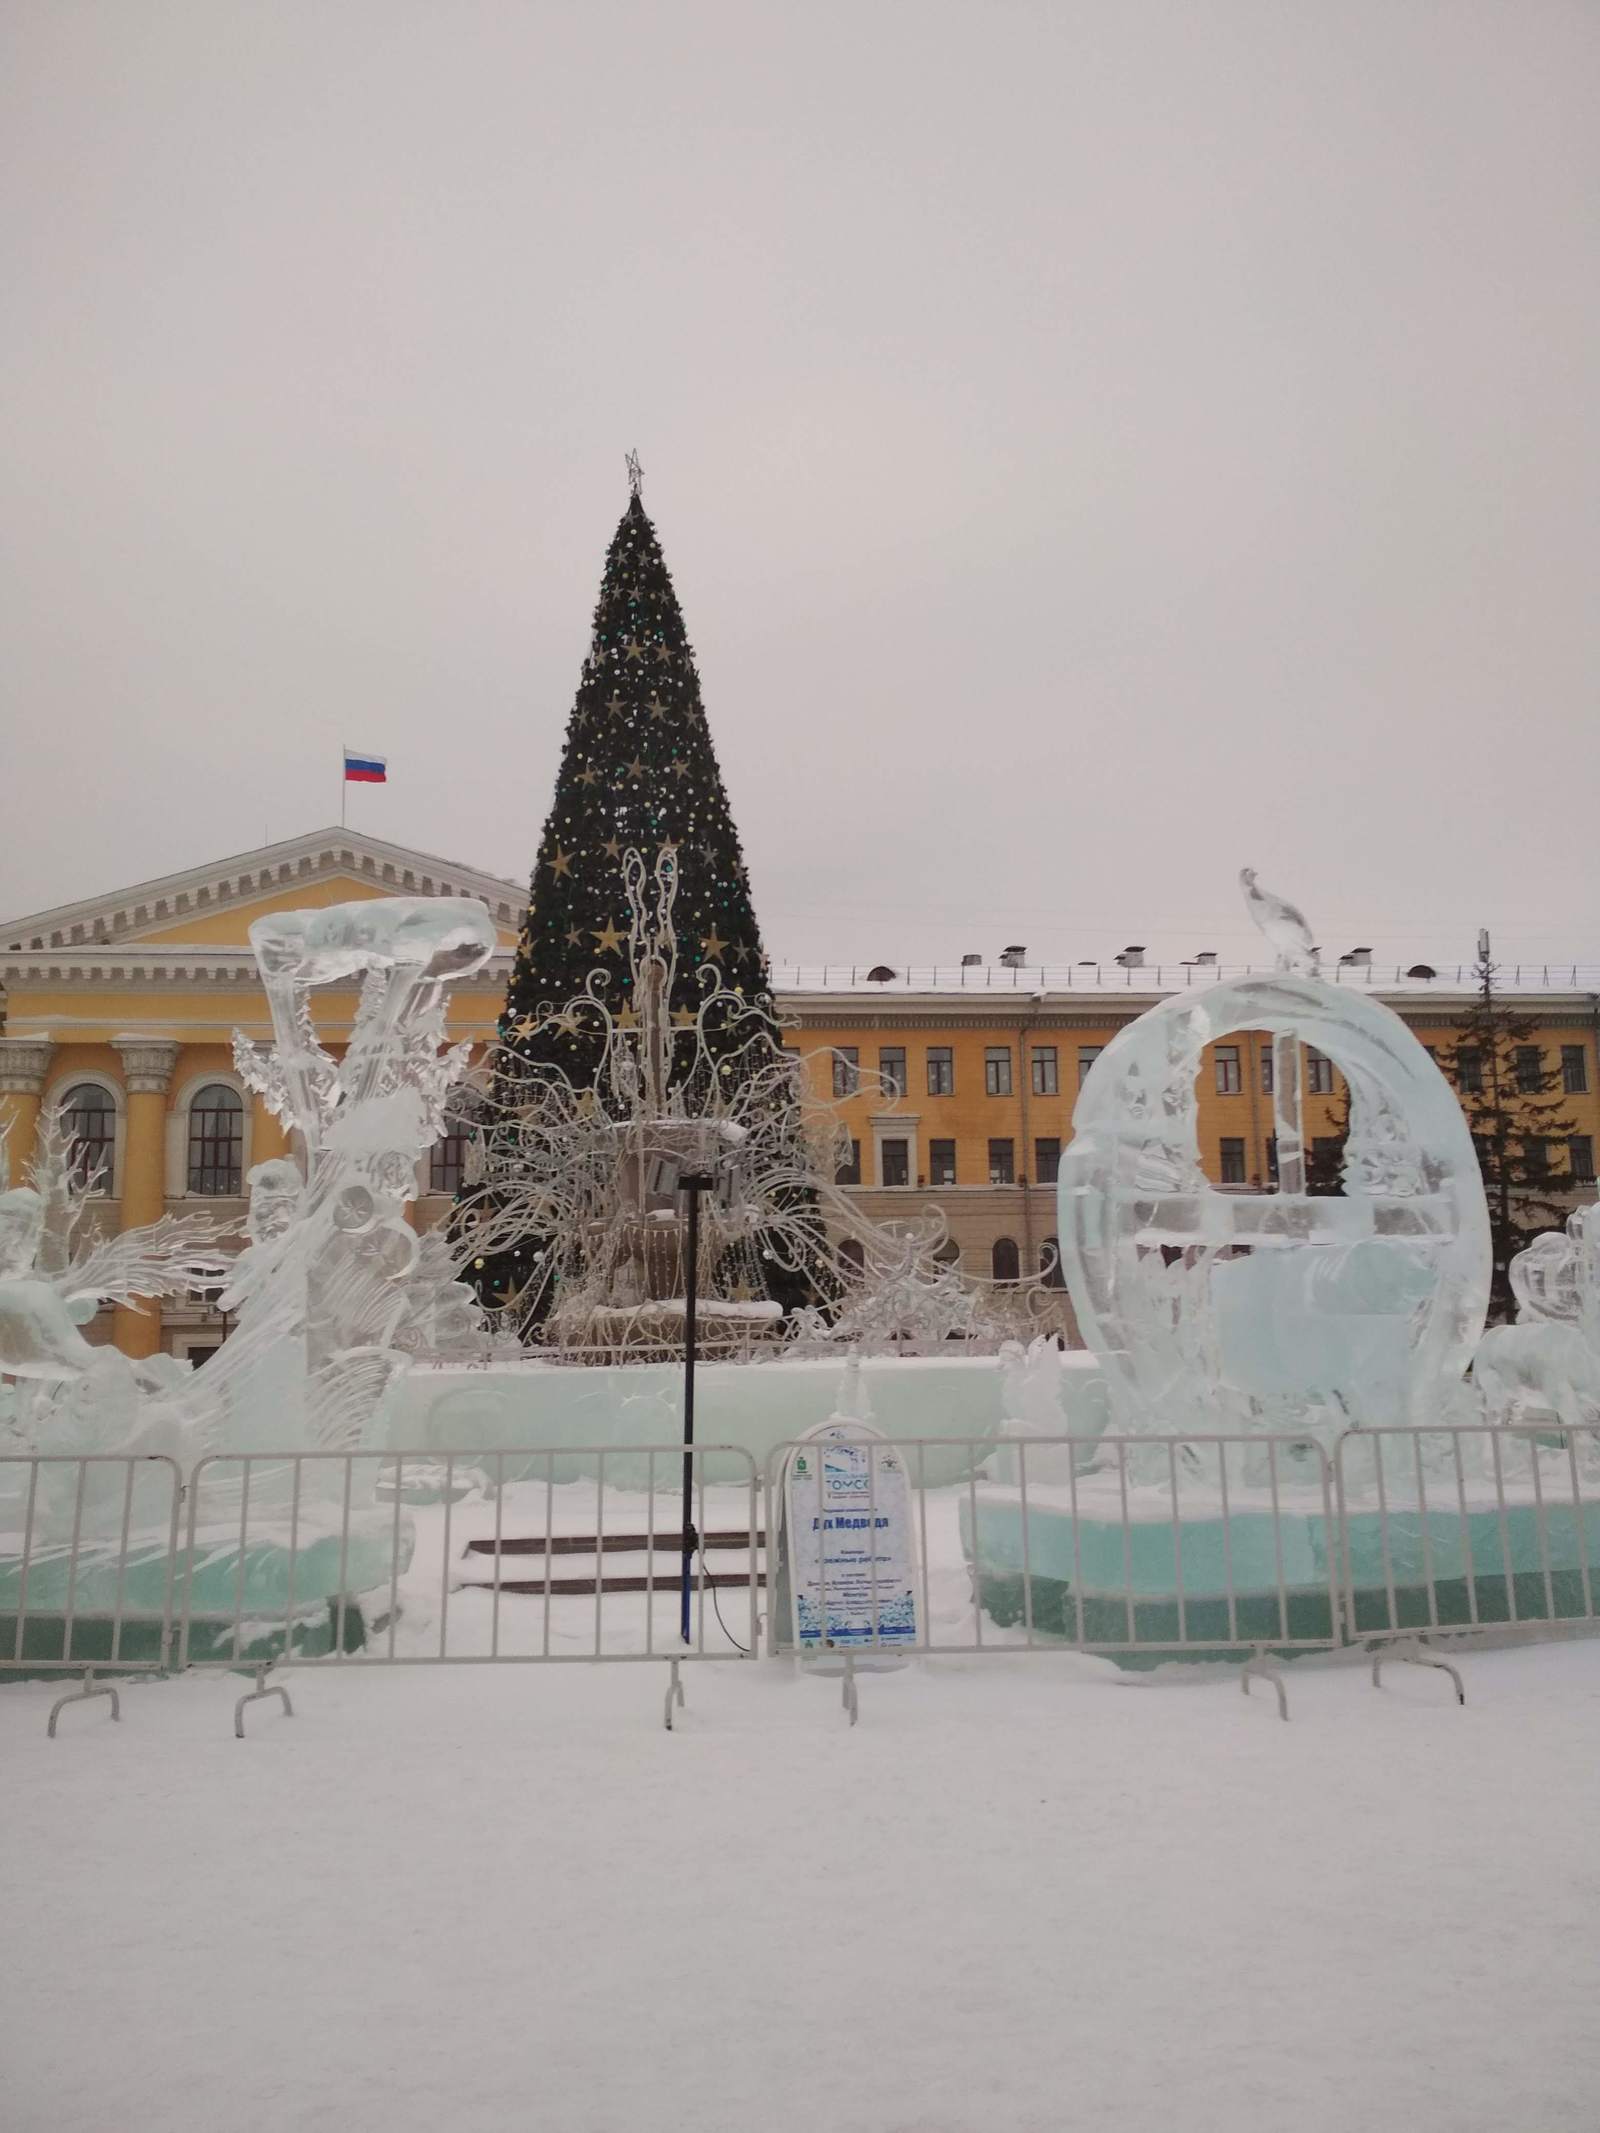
(1511, 1095)
(638, 771)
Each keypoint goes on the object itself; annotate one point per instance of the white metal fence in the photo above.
(469, 1558)
(1446, 1533)
(1141, 1548)
(88, 1567)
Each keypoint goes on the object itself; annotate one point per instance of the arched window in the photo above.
(216, 1141)
(1050, 1264)
(948, 1253)
(89, 1117)
(1007, 1261)
(854, 1250)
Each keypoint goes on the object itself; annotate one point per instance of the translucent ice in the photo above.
(1218, 1310)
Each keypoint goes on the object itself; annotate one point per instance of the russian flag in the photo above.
(362, 767)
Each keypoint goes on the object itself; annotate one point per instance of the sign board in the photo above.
(847, 1533)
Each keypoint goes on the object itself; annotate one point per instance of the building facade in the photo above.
(956, 1087)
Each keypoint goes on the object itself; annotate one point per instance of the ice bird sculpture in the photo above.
(1284, 926)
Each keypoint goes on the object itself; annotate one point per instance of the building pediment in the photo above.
(211, 907)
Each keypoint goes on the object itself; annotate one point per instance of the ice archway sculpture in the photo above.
(1214, 1310)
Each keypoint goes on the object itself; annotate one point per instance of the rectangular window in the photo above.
(892, 1069)
(1087, 1055)
(1536, 1155)
(1272, 1157)
(1574, 1070)
(895, 1160)
(849, 1173)
(1469, 1070)
(941, 1070)
(1327, 1155)
(941, 1162)
(1580, 1158)
(846, 1070)
(1319, 1072)
(1046, 1072)
(1232, 1162)
(1002, 1163)
(1227, 1065)
(997, 1070)
(1266, 1070)
(447, 1159)
(1528, 1062)
(1046, 1161)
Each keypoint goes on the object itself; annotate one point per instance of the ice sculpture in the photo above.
(592, 1172)
(1217, 1311)
(1546, 1367)
(67, 1394)
(328, 1288)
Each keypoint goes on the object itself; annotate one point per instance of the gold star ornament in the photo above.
(713, 943)
(561, 863)
(608, 941)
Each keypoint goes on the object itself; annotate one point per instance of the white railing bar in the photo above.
(1466, 1534)
(1177, 1543)
(499, 1557)
(27, 1560)
(1581, 1522)
(122, 1564)
(344, 1557)
(1423, 1524)
(296, 1482)
(72, 1567)
(1227, 1543)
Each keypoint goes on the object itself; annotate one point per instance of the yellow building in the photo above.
(123, 1007)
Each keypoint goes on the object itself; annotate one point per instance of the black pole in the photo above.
(693, 1185)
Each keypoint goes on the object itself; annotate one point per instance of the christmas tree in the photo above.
(638, 772)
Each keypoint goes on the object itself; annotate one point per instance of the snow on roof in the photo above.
(1110, 977)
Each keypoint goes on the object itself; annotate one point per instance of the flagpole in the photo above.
(344, 788)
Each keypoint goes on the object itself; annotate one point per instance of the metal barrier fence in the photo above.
(88, 1567)
(1448, 1533)
(415, 1558)
(1140, 1547)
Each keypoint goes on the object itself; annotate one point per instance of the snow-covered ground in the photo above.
(1022, 1893)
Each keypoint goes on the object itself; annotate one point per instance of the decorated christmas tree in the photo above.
(638, 773)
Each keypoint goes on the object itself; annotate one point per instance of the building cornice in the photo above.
(159, 905)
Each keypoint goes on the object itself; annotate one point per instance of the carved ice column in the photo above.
(24, 1062)
(147, 1064)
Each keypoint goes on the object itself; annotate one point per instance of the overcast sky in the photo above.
(1096, 445)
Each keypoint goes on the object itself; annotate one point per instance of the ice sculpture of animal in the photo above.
(1548, 1363)
(1283, 925)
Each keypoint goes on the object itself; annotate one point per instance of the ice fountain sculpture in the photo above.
(1217, 1311)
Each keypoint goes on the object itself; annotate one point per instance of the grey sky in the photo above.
(1095, 445)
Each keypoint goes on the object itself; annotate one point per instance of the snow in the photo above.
(1021, 1894)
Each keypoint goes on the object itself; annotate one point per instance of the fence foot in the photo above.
(255, 1695)
(1260, 1668)
(1411, 1651)
(848, 1695)
(86, 1694)
(674, 1696)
